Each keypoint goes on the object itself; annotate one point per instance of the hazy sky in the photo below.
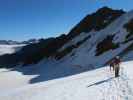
(24, 19)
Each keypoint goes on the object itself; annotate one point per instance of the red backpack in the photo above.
(117, 61)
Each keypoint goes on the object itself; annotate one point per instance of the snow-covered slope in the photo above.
(85, 54)
(9, 49)
(9, 80)
(98, 84)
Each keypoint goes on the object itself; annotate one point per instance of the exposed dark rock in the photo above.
(129, 27)
(106, 45)
(96, 21)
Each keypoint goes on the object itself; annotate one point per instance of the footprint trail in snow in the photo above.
(117, 88)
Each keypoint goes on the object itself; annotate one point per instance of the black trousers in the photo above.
(117, 69)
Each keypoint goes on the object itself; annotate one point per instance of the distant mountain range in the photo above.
(12, 42)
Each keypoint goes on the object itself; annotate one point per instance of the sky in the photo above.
(25, 19)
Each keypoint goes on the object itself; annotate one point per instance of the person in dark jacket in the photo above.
(111, 65)
(117, 62)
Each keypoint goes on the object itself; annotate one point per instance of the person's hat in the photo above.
(117, 57)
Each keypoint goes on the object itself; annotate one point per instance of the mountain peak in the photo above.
(107, 9)
(95, 21)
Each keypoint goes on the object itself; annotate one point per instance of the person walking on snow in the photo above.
(111, 65)
(117, 62)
